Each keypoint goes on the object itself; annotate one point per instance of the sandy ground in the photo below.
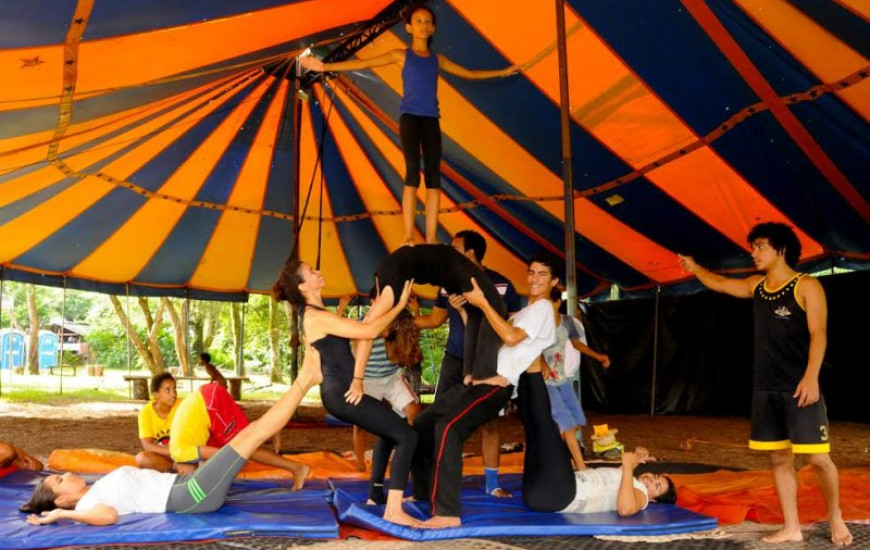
(42, 428)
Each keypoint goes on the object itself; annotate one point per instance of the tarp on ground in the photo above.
(150, 142)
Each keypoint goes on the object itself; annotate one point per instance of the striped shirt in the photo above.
(379, 365)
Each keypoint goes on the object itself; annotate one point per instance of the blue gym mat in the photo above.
(253, 508)
(485, 516)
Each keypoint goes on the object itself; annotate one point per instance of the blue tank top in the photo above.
(420, 83)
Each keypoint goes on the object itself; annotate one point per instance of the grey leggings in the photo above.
(205, 490)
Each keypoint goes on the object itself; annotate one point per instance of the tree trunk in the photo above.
(292, 318)
(141, 349)
(236, 325)
(180, 335)
(33, 345)
(154, 332)
(274, 348)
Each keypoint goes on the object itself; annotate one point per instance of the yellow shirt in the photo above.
(190, 429)
(151, 425)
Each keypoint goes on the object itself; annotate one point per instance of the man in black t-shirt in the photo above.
(788, 410)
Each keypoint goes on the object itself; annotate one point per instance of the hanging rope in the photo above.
(318, 161)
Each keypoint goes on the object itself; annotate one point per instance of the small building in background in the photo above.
(71, 334)
(12, 351)
(49, 349)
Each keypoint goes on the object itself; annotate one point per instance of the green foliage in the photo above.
(109, 346)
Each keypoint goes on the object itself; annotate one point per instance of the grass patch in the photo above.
(74, 395)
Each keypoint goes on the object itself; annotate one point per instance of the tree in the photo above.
(179, 325)
(237, 328)
(33, 332)
(275, 374)
(149, 351)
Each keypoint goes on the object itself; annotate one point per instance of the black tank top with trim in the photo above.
(336, 359)
(782, 337)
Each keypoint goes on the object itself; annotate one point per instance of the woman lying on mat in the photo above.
(550, 483)
(342, 389)
(130, 490)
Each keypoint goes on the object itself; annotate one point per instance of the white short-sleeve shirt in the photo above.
(130, 490)
(538, 322)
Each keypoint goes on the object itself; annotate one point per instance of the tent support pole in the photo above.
(2, 273)
(297, 223)
(655, 361)
(62, 331)
(567, 173)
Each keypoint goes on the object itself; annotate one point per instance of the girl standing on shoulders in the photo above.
(419, 128)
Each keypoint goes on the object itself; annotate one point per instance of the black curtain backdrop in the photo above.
(704, 353)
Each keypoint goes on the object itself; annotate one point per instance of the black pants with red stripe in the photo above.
(441, 430)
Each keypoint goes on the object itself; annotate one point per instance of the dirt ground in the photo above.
(42, 428)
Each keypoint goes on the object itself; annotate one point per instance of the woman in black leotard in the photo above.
(328, 337)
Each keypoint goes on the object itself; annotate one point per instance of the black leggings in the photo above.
(374, 417)
(549, 484)
(442, 429)
(416, 133)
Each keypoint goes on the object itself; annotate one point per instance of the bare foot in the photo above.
(441, 522)
(401, 518)
(300, 476)
(784, 535)
(840, 534)
(408, 242)
(498, 492)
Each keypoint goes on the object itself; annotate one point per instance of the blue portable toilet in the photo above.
(48, 344)
(11, 348)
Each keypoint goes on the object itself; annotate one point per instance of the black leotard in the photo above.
(337, 364)
(444, 266)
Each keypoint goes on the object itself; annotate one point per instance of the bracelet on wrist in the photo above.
(358, 378)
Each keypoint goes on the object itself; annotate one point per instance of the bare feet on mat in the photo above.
(840, 534)
(498, 492)
(401, 518)
(441, 522)
(300, 476)
(784, 536)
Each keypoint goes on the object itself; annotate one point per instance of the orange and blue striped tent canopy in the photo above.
(151, 144)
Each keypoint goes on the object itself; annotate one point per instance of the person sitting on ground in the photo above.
(550, 484)
(155, 423)
(208, 419)
(562, 363)
(12, 456)
(211, 370)
(130, 490)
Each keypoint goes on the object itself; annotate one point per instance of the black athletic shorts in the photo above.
(778, 423)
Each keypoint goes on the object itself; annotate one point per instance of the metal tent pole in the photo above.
(567, 173)
(655, 361)
(62, 331)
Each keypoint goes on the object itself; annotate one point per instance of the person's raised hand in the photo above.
(687, 263)
(457, 301)
(406, 293)
(311, 63)
(475, 296)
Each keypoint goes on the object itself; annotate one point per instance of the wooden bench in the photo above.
(233, 381)
(140, 385)
(61, 368)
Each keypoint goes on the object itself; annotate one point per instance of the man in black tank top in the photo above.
(788, 410)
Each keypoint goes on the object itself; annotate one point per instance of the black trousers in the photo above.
(549, 484)
(442, 428)
(372, 416)
(421, 133)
